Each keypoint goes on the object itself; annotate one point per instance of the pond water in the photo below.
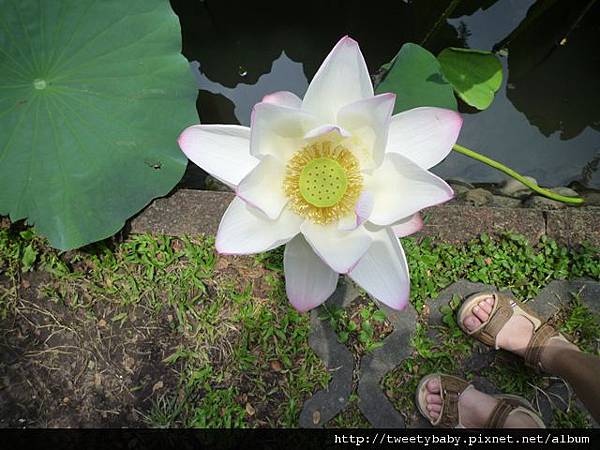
(544, 122)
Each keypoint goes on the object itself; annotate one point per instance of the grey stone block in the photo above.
(373, 402)
(325, 404)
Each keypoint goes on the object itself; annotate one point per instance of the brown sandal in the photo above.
(451, 388)
(503, 310)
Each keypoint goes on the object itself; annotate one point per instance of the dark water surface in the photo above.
(544, 122)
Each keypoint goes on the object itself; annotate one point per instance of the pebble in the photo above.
(501, 201)
(514, 188)
(592, 199)
(459, 182)
(567, 192)
(478, 197)
(539, 202)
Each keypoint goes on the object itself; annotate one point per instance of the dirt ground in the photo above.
(65, 367)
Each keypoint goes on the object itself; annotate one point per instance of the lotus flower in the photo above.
(334, 176)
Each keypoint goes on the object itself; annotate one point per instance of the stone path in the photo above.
(373, 402)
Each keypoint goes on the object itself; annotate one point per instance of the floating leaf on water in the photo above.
(415, 77)
(475, 75)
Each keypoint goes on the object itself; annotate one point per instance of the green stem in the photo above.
(508, 171)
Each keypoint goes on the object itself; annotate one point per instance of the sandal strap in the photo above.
(536, 345)
(451, 388)
(501, 313)
(499, 414)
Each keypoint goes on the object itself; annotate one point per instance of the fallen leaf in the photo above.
(250, 410)
(128, 363)
(316, 417)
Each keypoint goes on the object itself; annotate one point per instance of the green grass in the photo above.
(242, 357)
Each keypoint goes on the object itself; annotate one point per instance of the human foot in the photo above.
(474, 408)
(515, 334)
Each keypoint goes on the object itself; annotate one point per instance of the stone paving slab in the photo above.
(327, 403)
(374, 404)
(193, 212)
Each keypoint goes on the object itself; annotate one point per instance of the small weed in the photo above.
(583, 326)
(571, 418)
(363, 327)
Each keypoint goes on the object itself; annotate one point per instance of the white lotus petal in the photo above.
(424, 135)
(278, 130)
(283, 98)
(408, 226)
(348, 222)
(343, 78)
(263, 187)
(245, 230)
(221, 150)
(383, 271)
(402, 188)
(362, 211)
(308, 280)
(369, 120)
(364, 206)
(326, 129)
(340, 250)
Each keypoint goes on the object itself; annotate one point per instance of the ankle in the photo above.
(519, 419)
(515, 335)
(475, 407)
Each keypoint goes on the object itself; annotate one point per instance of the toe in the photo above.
(480, 313)
(484, 305)
(433, 399)
(433, 386)
(471, 322)
(434, 408)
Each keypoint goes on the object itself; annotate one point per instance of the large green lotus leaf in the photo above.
(414, 76)
(475, 75)
(93, 95)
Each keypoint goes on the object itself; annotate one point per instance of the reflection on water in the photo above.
(483, 28)
(285, 75)
(544, 121)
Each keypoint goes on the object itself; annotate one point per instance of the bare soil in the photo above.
(62, 366)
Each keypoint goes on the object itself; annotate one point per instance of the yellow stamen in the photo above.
(323, 182)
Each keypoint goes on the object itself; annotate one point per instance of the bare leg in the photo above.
(559, 358)
(580, 370)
